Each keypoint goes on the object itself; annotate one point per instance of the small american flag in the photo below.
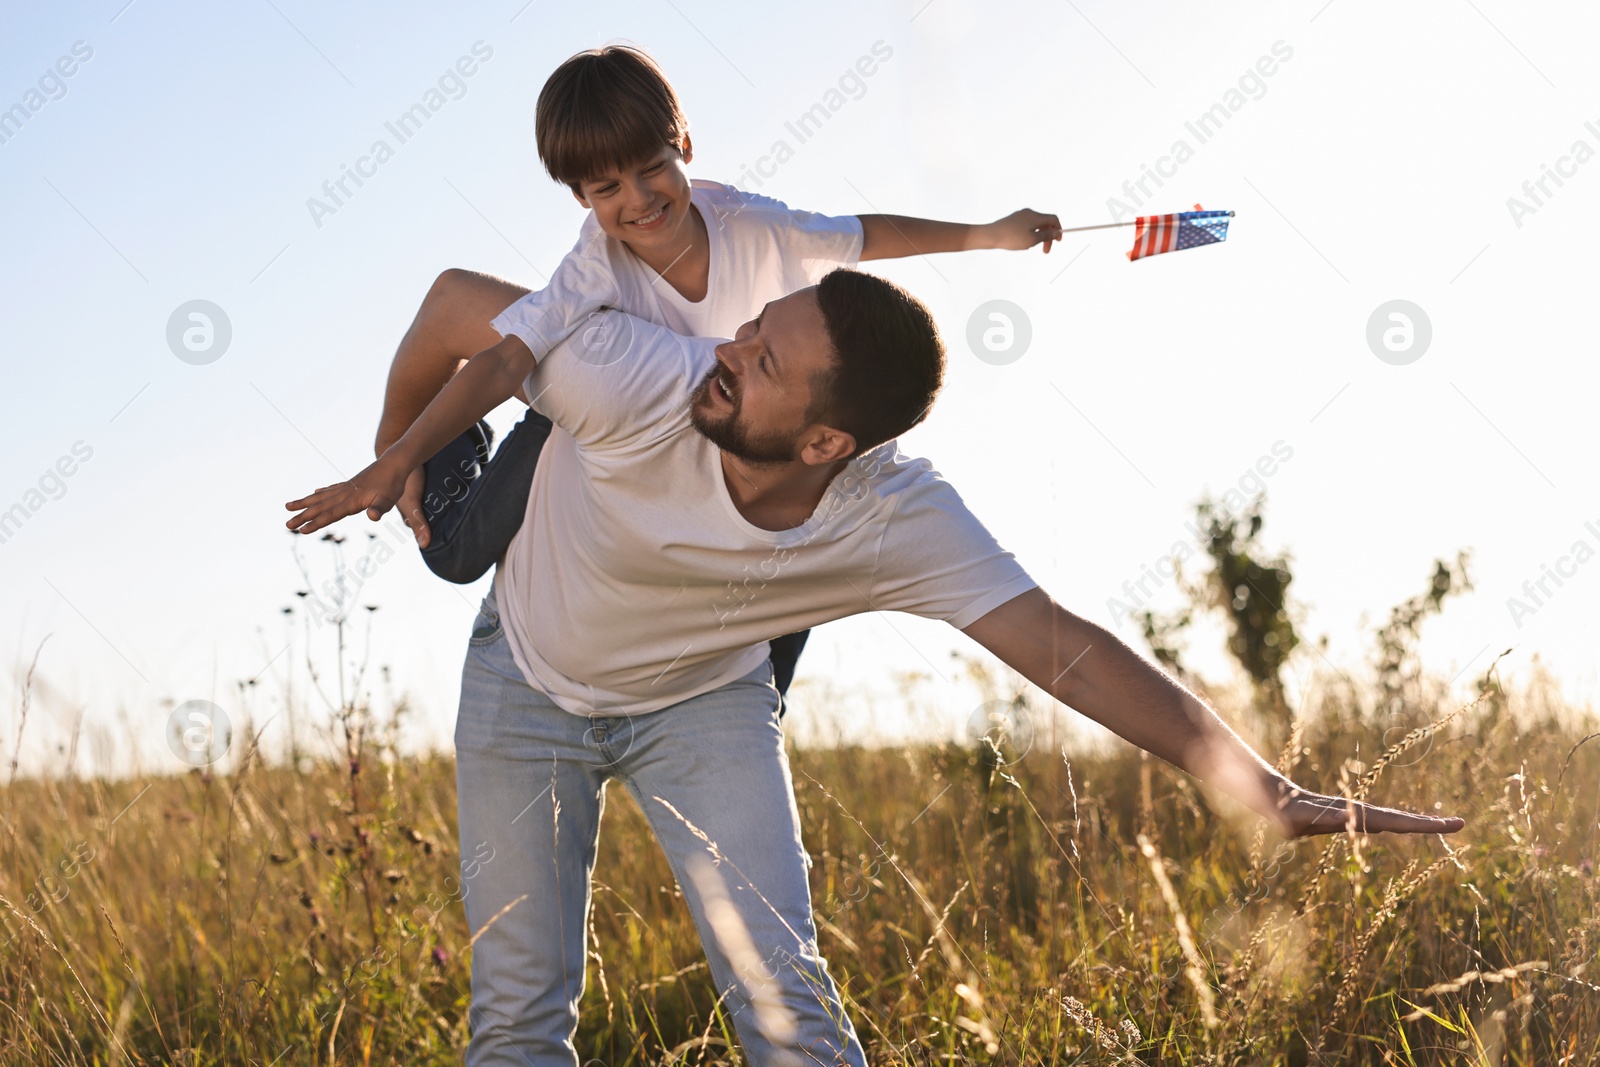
(1155, 234)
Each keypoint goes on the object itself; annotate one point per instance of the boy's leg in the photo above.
(785, 655)
(450, 327)
(711, 775)
(468, 510)
(530, 797)
(471, 523)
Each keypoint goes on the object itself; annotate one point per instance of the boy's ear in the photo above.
(579, 198)
(688, 148)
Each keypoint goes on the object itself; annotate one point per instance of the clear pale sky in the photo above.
(1375, 162)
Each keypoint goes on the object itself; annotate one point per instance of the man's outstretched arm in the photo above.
(451, 326)
(1091, 670)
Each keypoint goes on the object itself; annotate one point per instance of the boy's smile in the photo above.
(653, 220)
(645, 204)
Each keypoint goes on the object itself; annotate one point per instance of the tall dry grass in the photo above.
(1065, 909)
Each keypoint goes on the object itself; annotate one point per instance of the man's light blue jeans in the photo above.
(711, 776)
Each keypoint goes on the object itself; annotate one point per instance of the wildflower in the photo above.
(440, 955)
(1079, 1013)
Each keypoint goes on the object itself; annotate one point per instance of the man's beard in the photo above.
(726, 432)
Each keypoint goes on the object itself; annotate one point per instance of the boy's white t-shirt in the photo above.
(634, 582)
(760, 250)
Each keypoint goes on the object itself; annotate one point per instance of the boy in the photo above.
(698, 257)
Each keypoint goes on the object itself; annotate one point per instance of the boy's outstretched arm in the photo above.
(488, 380)
(451, 326)
(1089, 669)
(894, 236)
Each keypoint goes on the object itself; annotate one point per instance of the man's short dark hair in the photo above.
(888, 359)
(602, 109)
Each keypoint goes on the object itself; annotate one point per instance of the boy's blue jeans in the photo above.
(712, 779)
(475, 503)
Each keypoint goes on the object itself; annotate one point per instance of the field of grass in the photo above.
(1062, 909)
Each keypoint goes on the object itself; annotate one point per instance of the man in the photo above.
(698, 499)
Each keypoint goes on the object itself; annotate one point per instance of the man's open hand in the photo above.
(375, 490)
(1304, 814)
(1024, 229)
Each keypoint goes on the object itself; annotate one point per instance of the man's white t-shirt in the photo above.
(635, 583)
(760, 249)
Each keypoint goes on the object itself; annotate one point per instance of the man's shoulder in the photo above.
(933, 556)
(888, 473)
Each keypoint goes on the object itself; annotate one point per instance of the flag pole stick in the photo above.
(1111, 225)
(1106, 226)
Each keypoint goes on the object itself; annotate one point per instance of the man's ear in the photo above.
(822, 445)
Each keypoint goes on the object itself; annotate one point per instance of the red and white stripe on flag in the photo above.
(1155, 234)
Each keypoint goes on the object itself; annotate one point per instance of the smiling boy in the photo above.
(698, 257)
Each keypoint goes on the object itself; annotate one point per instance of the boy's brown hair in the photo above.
(605, 108)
